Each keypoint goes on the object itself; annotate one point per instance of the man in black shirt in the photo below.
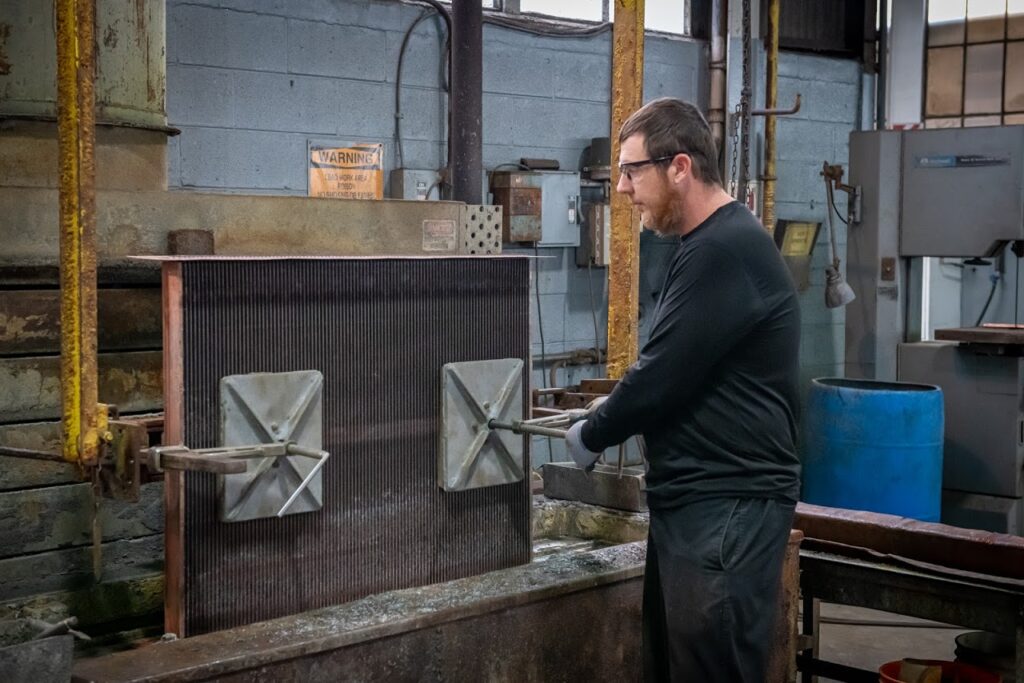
(714, 393)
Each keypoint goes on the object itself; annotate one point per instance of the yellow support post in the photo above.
(624, 268)
(76, 65)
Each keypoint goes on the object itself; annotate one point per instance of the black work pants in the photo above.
(711, 589)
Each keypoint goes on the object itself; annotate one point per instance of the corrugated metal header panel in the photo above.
(380, 331)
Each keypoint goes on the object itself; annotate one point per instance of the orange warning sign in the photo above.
(355, 172)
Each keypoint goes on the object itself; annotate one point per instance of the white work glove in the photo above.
(580, 454)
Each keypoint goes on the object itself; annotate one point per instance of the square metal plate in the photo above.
(471, 454)
(267, 407)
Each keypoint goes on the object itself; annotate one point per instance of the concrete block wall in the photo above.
(252, 82)
(831, 108)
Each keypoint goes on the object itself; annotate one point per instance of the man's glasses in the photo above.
(631, 167)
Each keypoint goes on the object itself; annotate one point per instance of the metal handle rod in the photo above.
(294, 449)
(519, 427)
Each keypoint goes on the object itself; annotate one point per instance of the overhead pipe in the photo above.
(624, 266)
(466, 106)
(76, 126)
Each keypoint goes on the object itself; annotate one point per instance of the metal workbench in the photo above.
(963, 599)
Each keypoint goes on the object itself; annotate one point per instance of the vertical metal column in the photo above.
(771, 96)
(624, 269)
(466, 106)
(76, 73)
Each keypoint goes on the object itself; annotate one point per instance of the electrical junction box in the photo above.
(595, 237)
(539, 206)
(411, 183)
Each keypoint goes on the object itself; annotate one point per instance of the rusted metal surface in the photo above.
(76, 73)
(68, 125)
(782, 658)
(30, 387)
(30, 320)
(971, 550)
(20, 473)
(982, 335)
(771, 93)
(42, 520)
(881, 585)
(72, 568)
(130, 39)
(93, 415)
(121, 474)
(519, 196)
(174, 498)
(32, 454)
(126, 159)
(624, 269)
(597, 386)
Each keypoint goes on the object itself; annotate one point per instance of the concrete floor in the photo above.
(869, 646)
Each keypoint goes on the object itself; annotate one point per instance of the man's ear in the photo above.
(682, 167)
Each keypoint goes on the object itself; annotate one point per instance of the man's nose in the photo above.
(624, 185)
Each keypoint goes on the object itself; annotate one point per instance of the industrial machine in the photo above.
(955, 194)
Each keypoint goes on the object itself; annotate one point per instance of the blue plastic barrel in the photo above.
(874, 446)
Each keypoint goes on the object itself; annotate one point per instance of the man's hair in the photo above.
(671, 126)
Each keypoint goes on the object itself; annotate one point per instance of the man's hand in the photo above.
(580, 454)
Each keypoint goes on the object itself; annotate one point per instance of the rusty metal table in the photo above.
(968, 600)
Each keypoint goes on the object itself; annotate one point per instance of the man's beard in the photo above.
(666, 217)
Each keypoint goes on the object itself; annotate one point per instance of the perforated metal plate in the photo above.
(471, 454)
(481, 229)
(267, 407)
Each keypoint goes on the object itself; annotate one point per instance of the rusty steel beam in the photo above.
(624, 268)
(984, 552)
(76, 124)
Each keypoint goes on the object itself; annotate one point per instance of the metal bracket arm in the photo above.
(549, 425)
(232, 460)
(778, 112)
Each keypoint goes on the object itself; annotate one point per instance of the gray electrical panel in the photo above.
(560, 209)
(962, 190)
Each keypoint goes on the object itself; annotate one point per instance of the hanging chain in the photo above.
(744, 105)
(734, 134)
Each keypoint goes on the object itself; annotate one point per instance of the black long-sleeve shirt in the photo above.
(715, 390)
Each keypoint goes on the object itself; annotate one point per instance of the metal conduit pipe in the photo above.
(466, 106)
(771, 97)
(716, 104)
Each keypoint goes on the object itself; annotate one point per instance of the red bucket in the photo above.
(952, 672)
